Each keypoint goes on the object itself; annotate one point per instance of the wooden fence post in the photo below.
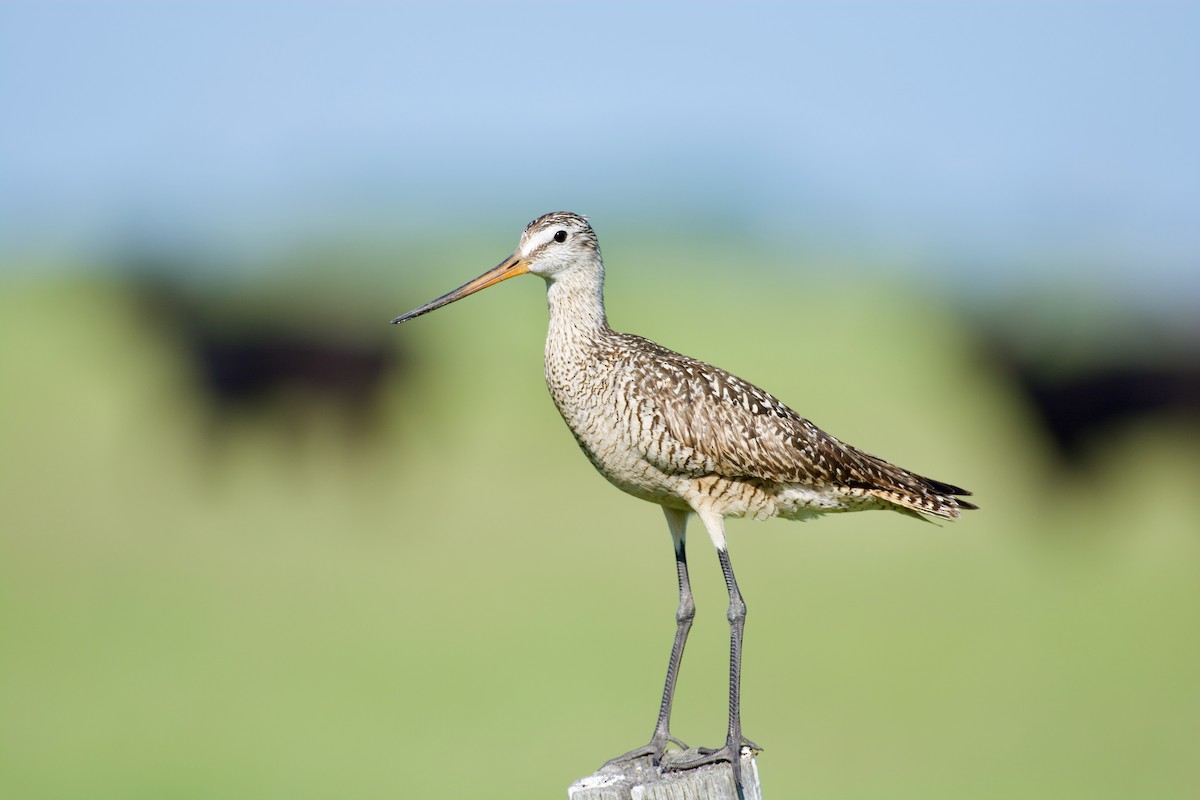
(641, 780)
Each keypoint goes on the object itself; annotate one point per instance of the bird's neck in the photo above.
(576, 302)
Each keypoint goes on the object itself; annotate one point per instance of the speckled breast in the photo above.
(613, 426)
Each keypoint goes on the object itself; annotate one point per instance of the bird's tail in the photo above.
(922, 495)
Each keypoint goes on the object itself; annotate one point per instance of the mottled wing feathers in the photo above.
(736, 430)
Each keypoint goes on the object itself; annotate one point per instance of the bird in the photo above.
(692, 439)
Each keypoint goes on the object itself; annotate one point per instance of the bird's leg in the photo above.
(734, 741)
(677, 522)
(737, 624)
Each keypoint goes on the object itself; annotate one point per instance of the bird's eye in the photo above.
(560, 236)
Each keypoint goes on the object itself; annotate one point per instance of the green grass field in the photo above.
(462, 608)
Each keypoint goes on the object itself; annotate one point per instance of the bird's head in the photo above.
(557, 242)
(553, 245)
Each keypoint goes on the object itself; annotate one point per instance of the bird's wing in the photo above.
(717, 423)
(721, 424)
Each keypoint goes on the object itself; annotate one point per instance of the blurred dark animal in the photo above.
(259, 367)
(1081, 409)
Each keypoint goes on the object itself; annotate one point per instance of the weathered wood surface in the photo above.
(641, 780)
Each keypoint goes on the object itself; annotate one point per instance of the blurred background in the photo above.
(255, 542)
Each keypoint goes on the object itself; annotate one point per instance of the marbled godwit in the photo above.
(689, 437)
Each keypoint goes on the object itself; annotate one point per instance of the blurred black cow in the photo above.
(271, 371)
(1080, 408)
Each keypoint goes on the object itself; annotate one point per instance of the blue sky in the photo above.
(985, 133)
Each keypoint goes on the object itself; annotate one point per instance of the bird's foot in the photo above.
(654, 749)
(699, 756)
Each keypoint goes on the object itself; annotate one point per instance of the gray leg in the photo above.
(677, 522)
(734, 741)
(737, 623)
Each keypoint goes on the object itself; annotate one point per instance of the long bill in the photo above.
(511, 267)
